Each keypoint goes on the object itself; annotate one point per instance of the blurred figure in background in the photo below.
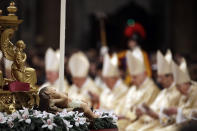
(52, 60)
(92, 57)
(135, 35)
(168, 97)
(153, 63)
(99, 78)
(115, 88)
(143, 91)
(187, 102)
(83, 87)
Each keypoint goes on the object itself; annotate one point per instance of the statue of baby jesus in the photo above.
(51, 100)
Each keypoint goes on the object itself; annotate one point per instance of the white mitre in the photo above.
(180, 73)
(164, 63)
(79, 65)
(52, 59)
(110, 66)
(135, 61)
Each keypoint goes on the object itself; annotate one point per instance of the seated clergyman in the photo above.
(51, 100)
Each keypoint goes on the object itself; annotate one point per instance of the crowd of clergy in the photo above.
(142, 106)
(137, 100)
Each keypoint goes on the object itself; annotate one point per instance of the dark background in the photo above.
(168, 23)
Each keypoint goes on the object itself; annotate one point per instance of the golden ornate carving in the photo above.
(12, 101)
(15, 53)
(12, 9)
(18, 69)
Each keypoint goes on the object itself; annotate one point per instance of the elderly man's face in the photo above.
(52, 76)
(79, 81)
(132, 44)
(138, 79)
(165, 80)
(110, 81)
(183, 88)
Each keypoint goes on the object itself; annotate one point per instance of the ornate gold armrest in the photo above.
(6, 80)
(11, 101)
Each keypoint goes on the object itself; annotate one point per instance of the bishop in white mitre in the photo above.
(168, 97)
(52, 61)
(142, 91)
(187, 103)
(83, 87)
(115, 88)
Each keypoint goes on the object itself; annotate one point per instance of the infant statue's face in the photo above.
(52, 93)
